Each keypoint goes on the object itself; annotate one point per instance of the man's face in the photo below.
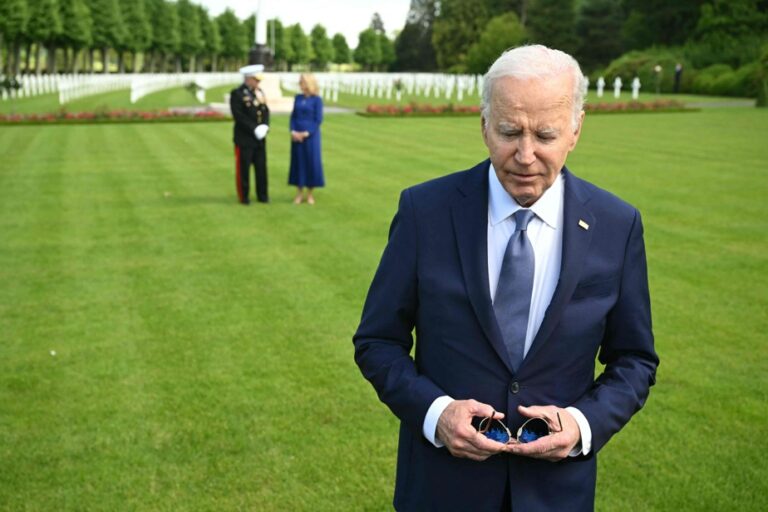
(252, 82)
(529, 133)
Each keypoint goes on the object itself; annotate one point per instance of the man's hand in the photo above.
(553, 447)
(454, 428)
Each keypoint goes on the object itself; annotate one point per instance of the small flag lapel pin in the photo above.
(583, 225)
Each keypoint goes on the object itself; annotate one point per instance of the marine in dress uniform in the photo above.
(251, 114)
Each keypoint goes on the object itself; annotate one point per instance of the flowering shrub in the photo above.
(421, 109)
(636, 106)
(416, 109)
(112, 116)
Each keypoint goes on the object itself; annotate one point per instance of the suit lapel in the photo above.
(576, 240)
(470, 221)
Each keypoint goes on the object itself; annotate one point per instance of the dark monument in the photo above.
(261, 54)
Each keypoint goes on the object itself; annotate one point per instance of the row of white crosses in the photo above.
(72, 87)
(617, 84)
(143, 85)
(389, 85)
(31, 85)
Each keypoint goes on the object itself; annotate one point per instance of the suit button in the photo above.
(514, 388)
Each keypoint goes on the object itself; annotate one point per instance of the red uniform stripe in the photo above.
(238, 181)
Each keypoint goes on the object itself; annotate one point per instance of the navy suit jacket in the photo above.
(433, 278)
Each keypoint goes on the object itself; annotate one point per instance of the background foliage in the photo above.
(609, 38)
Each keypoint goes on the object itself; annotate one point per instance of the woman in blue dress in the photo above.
(306, 163)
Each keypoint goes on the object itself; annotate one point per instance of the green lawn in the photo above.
(203, 355)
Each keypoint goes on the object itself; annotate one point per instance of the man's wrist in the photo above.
(584, 446)
(429, 428)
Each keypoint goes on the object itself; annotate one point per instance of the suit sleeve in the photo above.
(384, 339)
(626, 351)
(239, 111)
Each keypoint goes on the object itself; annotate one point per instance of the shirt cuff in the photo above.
(584, 447)
(429, 429)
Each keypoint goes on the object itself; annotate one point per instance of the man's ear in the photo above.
(577, 132)
(484, 128)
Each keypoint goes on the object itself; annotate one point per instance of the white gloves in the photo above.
(261, 131)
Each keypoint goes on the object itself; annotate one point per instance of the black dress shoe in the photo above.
(245, 203)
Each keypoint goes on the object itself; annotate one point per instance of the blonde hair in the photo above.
(311, 82)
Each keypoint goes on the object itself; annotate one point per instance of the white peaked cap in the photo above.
(254, 70)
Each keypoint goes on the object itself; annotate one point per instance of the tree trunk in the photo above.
(37, 58)
(178, 63)
(214, 62)
(77, 55)
(52, 59)
(120, 62)
(105, 59)
(2, 68)
(16, 58)
(27, 58)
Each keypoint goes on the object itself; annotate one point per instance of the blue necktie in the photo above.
(513, 293)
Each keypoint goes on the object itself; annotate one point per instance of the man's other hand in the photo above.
(455, 430)
(555, 446)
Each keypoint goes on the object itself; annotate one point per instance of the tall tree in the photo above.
(457, 26)
(299, 42)
(501, 33)
(165, 33)
(76, 26)
(368, 51)
(387, 48)
(233, 45)
(43, 29)
(249, 30)
(413, 45)
(322, 48)
(377, 24)
(276, 39)
(553, 23)
(341, 52)
(209, 31)
(599, 29)
(732, 32)
(499, 7)
(659, 22)
(108, 28)
(138, 30)
(13, 24)
(190, 38)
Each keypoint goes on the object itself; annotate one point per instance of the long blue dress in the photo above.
(306, 162)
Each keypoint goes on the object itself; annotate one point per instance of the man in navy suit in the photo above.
(439, 275)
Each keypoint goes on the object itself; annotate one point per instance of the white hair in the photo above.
(535, 61)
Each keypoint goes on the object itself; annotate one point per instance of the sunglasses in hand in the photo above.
(533, 429)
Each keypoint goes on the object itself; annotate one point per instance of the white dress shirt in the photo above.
(545, 231)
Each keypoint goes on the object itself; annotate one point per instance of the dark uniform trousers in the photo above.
(244, 157)
(249, 110)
